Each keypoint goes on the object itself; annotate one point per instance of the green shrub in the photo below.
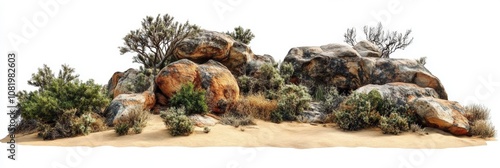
(394, 124)
(177, 122)
(47, 105)
(266, 80)
(483, 129)
(137, 118)
(476, 112)
(286, 71)
(292, 101)
(242, 35)
(192, 100)
(366, 110)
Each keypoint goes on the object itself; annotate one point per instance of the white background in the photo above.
(459, 38)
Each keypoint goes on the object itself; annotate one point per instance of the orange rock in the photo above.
(173, 76)
(113, 81)
(215, 78)
(161, 99)
(442, 114)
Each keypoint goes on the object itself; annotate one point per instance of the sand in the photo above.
(264, 134)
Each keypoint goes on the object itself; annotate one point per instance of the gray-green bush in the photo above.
(177, 122)
(292, 100)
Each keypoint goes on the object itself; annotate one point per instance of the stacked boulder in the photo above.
(361, 69)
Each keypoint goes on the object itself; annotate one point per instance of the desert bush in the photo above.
(242, 35)
(332, 100)
(68, 125)
(137, 118)
(476, 112)
(387, 41)
(394, 124)
(266, 80)
(191, 99)
(56, 94)
(292, 101)
(177, 122)
(483, 129)
(286, 71)
(366, 110)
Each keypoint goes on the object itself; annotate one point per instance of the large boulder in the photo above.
(128, 82)
(367, 49)
(435, 112)
(342, 67)
(211, 45)
(443, 114)
(113, 81)
(124, 103)
(215, 78)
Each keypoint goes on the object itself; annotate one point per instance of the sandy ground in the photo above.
(264, 134)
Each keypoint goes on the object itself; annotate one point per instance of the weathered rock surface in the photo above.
(215, 78)
(211, 45)
(128, 82)
(399, 92)
(312, 114)
(443, 114)
(367, 49)
(438, 113)
(341, 66)
(113, 81)
(203, 121)
(124, 103)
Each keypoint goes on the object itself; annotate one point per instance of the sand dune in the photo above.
(295, 135)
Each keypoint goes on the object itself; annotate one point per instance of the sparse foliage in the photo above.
(387, 41)
(155, 41)
(242, 35)
(422, 60)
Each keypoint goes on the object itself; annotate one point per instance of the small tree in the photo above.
(242, 35)
(387, 41)
(155, 41)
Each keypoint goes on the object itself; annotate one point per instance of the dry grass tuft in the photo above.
(483, 129)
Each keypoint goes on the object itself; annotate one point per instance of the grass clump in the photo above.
(193, 100)
(136, 119)
(479, 116)
(177, 122)
(476, 112)
(483, 129)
